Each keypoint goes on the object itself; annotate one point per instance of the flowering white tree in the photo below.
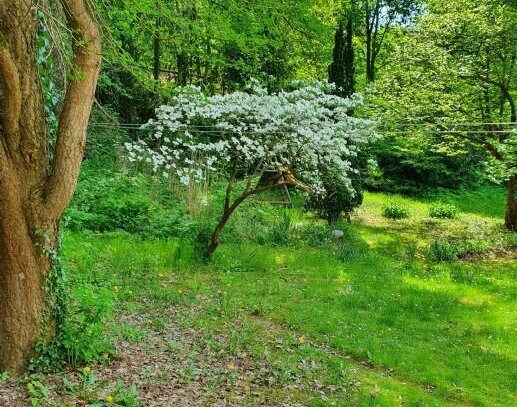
(243, 135)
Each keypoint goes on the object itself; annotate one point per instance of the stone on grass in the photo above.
(337, 234)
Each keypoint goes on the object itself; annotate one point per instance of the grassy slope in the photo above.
(383, 327)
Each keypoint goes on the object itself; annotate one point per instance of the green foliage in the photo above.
(278, 304)
(217, 46)
(441, 250)
(412, 166)
(135, 204)
(84, 334)
(49, 74)
(339, 198)
(122, 396)
(342, 69)
(442, 210)
(49, 355)
(104, 140)
(313, 234)
(38, 392)
(280, 231)
(452, 66)
(395, 211)
(203, 234)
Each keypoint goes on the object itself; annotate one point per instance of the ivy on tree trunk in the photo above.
(33, 195)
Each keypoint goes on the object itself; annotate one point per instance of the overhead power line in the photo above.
(421, 127)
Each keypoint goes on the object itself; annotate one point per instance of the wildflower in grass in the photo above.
(87, 370)
(180, 291)
(301, 340)
(160, 275)
(230, 368)
(109, 399)
(150, 321)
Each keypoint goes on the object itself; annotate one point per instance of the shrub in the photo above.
(135, 204)
(443, 211)
(125, 212)
(395, 210)
(339, 198)
(441, 250)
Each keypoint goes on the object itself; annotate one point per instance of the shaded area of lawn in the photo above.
(367, 321)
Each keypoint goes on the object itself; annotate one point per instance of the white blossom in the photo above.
(307, 129)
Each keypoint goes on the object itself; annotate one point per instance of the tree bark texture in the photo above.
(511, 204)
(33, 191)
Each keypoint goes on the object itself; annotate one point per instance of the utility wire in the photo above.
(402, 124)
(211, 129)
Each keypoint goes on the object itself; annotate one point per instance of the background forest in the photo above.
(186, 273)
(422, 67)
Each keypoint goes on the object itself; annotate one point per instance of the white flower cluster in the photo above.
(307, 129)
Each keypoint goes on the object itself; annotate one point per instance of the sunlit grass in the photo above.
(394, 330)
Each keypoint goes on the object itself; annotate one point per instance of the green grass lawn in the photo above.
(369, 321)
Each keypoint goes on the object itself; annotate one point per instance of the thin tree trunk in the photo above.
(157, 52)
(511, 204)
(370, 74)
(216, 235)
(229, 209)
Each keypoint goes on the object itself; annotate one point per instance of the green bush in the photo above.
(138, 205)
(125, 212)
(338, 198)
(441, 250)
(408, 166)
(441, 210)
(395, 211)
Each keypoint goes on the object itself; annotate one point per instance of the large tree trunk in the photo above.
(511, 204)
(33, 191)
(22, 277)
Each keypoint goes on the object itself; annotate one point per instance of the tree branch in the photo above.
(504, 92)
(230, 184)
(73, 120)
(12, 97)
